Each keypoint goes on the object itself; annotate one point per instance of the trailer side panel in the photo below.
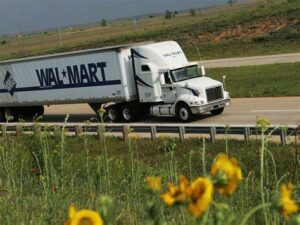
(94, 77)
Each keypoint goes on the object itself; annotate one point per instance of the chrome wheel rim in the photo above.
(126, 114)
(184, 114)
(112, 114)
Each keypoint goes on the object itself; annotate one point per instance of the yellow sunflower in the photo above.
(288, 205)
(201, 191)
(154, 183)
(83, 217)
(72, 212)
(227, 173)
(176, 194)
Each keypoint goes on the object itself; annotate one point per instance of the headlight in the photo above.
(199, 102)
(226, 94)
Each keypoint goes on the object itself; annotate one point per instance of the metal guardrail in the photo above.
(153, 130)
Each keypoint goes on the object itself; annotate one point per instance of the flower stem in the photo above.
(254, 210)
(262, 161)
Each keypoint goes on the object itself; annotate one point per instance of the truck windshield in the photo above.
(185, 73)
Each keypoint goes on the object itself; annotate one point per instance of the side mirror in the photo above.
(202, 70)
(224, 82)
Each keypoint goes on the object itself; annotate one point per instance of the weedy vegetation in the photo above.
(107, 181)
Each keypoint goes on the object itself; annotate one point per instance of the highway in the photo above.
(243, 111)
(251, 61)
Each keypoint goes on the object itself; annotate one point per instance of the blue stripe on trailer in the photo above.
(64, 86)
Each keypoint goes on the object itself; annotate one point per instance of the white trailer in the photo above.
(140, 79)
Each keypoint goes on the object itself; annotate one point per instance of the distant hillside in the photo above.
(230, 31)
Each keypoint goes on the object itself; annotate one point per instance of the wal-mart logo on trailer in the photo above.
(9, 83)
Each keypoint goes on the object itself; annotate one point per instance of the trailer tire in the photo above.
(183, 113)
(113, 113)
(2, 116)
(10, 115)
(127, 113)
(217, 111)
(29, 113)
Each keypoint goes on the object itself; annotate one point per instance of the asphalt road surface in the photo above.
(243, 111)
(250, 61)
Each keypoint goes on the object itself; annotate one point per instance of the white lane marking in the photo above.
(276, 110)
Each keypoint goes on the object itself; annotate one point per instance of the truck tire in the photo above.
(29, 113)
(38, 111)
(10, 115)
(184, 113)
(2, 116)
(127, 113)
(217, 111)
(113, 113)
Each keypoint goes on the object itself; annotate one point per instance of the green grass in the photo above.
(260, 81)
(42, 176)
(241, 30)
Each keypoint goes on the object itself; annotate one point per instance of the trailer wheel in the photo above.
(38, 111)
(127, 113)
(184, 113)
(217, 111)
(29, 113)
(9, 115)
(113, 113)
(2, 116)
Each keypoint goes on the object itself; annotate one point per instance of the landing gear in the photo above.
(183, 113)
(217, 111)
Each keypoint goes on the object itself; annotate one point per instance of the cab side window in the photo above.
(167, 78)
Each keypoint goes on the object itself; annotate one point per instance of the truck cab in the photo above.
(172, 85)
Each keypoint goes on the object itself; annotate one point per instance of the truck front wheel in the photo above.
(183, 113)
(217, 111)
(128, 114)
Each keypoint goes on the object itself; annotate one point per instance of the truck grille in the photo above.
(214, 93)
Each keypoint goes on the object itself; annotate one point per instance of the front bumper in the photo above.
(211, 106)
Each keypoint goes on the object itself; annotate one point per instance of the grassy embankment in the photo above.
(41, 176)
(255, 28)
(260, 81)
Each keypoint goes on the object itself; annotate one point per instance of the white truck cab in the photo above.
(173, 86)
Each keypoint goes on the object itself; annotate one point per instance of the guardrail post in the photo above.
(153, 132)
(283, 137)
(78, 130)
(37, 129)
(19, 130)
(247, 133)
(3, 129)
(101, 131)
(56, 130)
(213, 134)
(126, 131)
(181, 133)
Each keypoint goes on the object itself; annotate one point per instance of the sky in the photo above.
(35, 15)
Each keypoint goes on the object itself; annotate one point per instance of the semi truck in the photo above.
(128, 80)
